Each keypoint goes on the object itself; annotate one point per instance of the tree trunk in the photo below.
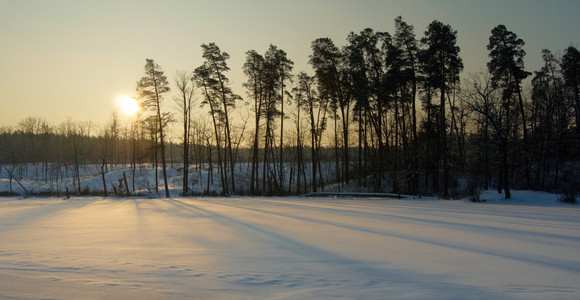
(577, 108)
(360, 135)
(77, 165)
(444, 154)
(282, 137)
(186, 111)
(227, 125)
(313, 144)
(162, 145)
(505, 168)
(336, 156)
(345, 132)
(522, 113)
(103, 178)
(254, 177)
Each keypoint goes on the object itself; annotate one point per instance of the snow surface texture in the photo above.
(289, 248)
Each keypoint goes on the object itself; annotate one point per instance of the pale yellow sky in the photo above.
(64, 59)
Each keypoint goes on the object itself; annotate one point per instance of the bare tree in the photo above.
(485, 99)
(316, 109)
(184, 83)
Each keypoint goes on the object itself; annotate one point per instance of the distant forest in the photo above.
(385, 113)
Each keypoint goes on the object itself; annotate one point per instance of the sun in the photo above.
(129, 105)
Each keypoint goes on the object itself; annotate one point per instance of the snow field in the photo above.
(288, 248)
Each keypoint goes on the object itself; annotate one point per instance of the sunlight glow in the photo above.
(129, 105)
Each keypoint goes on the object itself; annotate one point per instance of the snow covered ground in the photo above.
(289, 248)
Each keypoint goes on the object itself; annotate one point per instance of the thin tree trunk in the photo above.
(282, 137)
(522, 112)
(345, 132)
(444, 153)
(103, 177)
(577, 108)
(227, 125)
(162, 145)
(336, 156)
(254, 177)
(505, 169)
(77, 164)
(313, 147)
(186, 117)
(360, 135)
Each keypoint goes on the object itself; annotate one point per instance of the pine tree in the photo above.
(329, 65)
(254, 70)
(211, 77)
(281, 67)
(405, 40)
(441, 65)
(571, 72)
(151, 89)
(506, 66)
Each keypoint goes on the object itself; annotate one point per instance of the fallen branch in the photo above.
(17, 181)
(324, 194)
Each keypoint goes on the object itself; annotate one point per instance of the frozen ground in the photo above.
(289, 248)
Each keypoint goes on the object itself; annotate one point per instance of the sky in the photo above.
(66, 59)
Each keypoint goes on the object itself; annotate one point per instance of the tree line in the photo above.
(385, 112)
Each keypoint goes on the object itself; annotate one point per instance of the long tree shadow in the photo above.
(562, 264)
(462, 226)
(42, 210)
(384, 277)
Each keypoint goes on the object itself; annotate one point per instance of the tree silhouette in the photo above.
(184, 101)
(552, 116)
(280, 67)
(486, 100)
(151, 89)
(254, 70)
(211, 77)
(506, 66)
(328, 63)
(366, 61)
(316, 109)
(571, 72)
(404, 39)
(441, 65)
